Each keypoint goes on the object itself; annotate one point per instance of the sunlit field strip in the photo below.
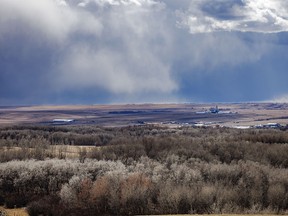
(15, 212)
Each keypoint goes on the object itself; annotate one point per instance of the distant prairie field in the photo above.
(229, 115)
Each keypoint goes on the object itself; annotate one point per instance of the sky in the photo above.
(143, 51)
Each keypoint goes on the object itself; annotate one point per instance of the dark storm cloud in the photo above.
(100, 51)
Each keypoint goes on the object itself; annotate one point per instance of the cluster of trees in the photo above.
(146, 186)
(145, 170)
(226, 145)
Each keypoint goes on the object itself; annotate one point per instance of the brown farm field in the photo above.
(64, 151)
(231, 115)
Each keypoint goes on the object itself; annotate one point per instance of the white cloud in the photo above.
(130, 55)
(116, 48)
(206, 16)
(103, 3)
(45, 16)
(52, 19)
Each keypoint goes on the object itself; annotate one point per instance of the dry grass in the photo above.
(69, 151)
(65, 151)
(23, 212)
(221, 215)
(15, 212)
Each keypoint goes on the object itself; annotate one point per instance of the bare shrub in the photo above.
(100, 195)
(48, 205)
(202, 200)
(135, 194)
(170, 197)
(278, 197)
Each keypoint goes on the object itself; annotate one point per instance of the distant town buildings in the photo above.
(268, 125)
(214, 109)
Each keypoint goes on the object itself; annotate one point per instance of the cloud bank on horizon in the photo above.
(118, 51)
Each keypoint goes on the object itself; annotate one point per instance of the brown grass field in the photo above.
(15, 212)
(55, 150)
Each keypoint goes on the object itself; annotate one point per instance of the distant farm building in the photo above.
(63, 121)
(269, 125)
(272, 125)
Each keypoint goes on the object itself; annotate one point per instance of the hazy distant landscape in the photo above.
(229, 115)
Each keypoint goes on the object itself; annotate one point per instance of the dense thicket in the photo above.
(269, 147)
(144, 170)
